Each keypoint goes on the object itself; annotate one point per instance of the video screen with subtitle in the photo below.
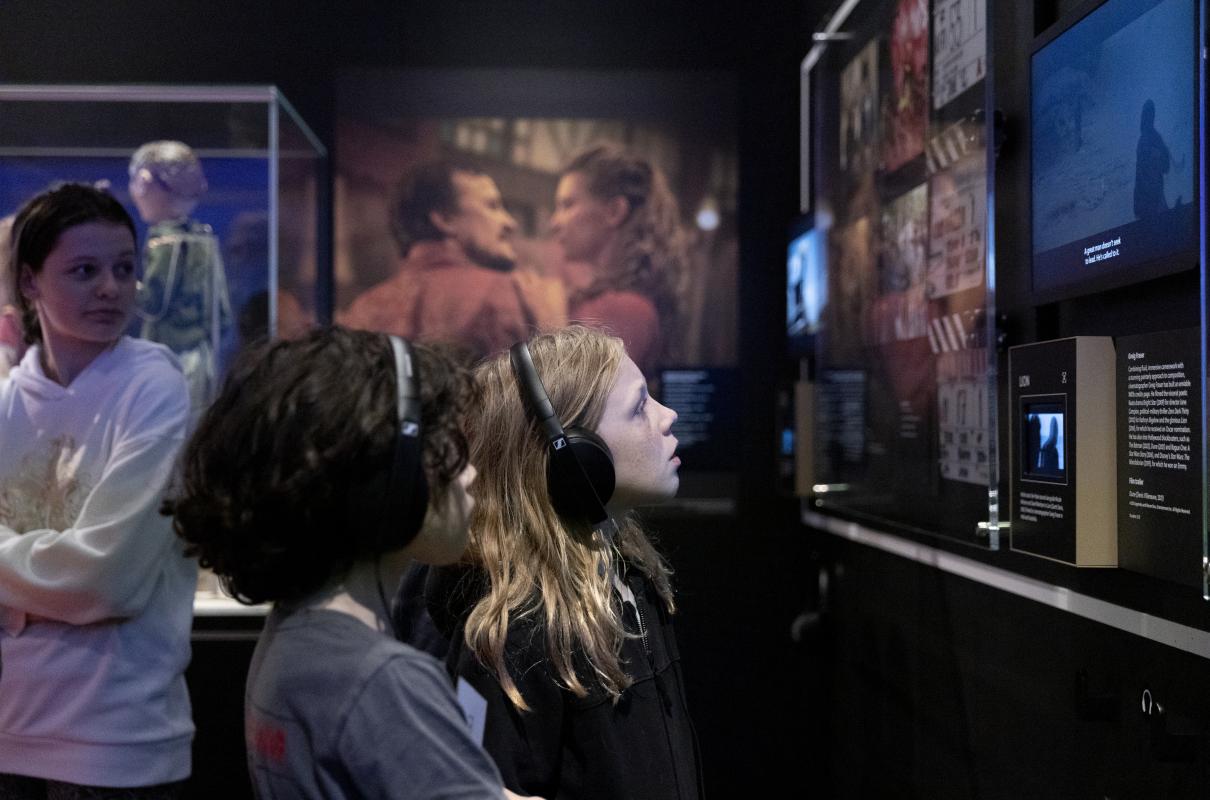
(1113, 148)
(1044, 449)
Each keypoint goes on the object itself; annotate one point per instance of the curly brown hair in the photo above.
(285, 483)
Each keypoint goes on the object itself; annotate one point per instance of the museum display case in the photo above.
(244, 259)
(264, 168)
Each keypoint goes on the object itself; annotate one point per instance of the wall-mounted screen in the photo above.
(1044, 431)
(1113, 135)
(806, 287)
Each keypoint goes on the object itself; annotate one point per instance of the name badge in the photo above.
(474, 708)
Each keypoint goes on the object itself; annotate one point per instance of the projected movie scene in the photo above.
(1113, 134)
(477, 207)
(1044, 449)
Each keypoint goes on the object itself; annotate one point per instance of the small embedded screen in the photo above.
(1044, 449)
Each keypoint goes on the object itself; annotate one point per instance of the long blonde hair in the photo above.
(540, 566)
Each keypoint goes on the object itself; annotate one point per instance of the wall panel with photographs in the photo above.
(898, 358)
(939, 237)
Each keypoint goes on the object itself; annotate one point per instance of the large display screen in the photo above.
(1114, 148)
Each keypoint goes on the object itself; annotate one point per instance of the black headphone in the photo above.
(579, 473)
(407, 487)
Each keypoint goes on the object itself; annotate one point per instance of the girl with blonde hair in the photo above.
(569, 632)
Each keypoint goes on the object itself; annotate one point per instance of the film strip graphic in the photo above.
(953, 144)
(961, 330)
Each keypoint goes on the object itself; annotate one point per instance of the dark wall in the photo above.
(939, 687)
(60, 41)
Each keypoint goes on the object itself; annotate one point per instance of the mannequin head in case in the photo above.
(166, 181)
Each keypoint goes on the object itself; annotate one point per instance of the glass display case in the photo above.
(243, 252)
(898, 193)
(263, 200)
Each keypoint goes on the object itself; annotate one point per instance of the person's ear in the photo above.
(26, 282)
(617, 208)
(443, 222)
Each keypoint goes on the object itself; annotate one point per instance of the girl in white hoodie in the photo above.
(95, 592)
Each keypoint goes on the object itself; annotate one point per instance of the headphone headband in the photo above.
(408, 486)
(407, 404)
(533, 393)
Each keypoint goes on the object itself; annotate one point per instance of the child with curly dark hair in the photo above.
(325, 466)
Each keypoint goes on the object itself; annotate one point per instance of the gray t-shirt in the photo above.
(336, 710)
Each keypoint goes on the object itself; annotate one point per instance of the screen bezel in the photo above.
(1176, 261)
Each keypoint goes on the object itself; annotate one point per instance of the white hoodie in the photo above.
(96, 596)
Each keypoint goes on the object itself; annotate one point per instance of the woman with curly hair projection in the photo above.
(615, 212)
(569, 633)
(96, 595)
(322, 469)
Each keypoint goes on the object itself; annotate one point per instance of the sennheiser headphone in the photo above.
(407, 488)
(579, 473)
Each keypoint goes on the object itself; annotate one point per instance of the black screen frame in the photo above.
(1175, 261)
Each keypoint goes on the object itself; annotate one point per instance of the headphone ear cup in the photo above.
(407, 490)
(416, 504)
(569, 493)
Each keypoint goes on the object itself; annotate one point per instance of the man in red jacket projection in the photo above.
(457, 280)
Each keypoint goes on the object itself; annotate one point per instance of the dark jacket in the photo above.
(642, 747)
